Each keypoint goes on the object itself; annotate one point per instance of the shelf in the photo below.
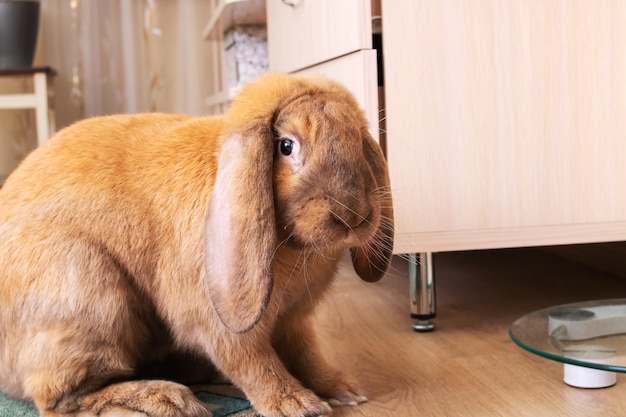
(234, 12)
(222, 97)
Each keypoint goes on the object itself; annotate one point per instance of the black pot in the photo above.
(19, 24)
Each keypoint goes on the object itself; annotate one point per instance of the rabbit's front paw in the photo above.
(345, 395)
(340, 390)
(292, 403)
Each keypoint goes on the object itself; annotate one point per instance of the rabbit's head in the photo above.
(298, 167)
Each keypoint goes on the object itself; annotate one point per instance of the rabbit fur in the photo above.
(126, 239)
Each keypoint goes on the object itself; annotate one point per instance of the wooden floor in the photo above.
(468, 366)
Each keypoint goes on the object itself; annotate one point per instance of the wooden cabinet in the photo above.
(506, 122)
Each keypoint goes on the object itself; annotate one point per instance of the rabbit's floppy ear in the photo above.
(240, 232)
(240, 226)
(373, 257)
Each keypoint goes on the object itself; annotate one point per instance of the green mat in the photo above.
(223, 400)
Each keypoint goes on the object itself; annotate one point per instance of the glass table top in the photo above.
(590, 334)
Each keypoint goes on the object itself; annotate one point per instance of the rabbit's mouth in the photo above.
(351, 232)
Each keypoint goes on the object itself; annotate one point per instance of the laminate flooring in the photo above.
(468, 366)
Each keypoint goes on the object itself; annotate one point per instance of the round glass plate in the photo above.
(590, 334)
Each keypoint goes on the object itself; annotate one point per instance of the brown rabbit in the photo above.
(126, 238)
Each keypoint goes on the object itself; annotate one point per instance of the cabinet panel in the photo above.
(357, 72)
(314, 31)
(506, 118)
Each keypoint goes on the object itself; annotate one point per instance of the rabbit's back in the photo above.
(119, 155)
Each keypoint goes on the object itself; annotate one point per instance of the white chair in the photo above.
(40, 100)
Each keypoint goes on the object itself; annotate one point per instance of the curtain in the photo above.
(117, 56)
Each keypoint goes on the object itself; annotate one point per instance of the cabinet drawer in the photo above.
(357, 72)
(314, 31)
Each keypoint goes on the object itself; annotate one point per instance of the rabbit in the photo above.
(128, 238)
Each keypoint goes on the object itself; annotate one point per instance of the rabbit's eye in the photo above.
(286, 146)
(289, 151)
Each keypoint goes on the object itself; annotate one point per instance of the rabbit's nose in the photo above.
(351, 218)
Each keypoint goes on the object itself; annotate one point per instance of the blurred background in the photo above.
(114, 56)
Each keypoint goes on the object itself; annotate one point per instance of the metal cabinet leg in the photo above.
(422, 280)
